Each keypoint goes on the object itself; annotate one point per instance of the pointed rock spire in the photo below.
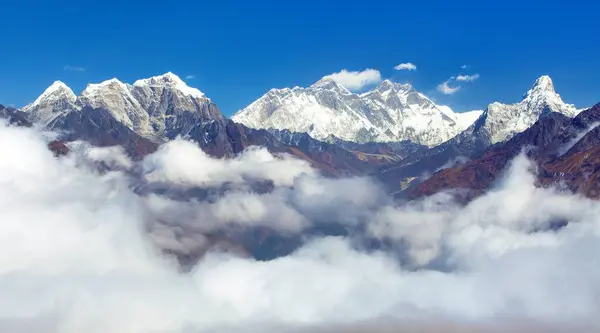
(542, 85)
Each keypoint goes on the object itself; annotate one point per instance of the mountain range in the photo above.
(158, 108)
(391, 132)
(389, 113)
(152, 111)
(142, 116)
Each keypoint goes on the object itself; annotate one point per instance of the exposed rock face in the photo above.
(158, 108)
(14, 116)
(100, 128)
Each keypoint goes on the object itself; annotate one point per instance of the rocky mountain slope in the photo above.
(391, 112)
(57, 100)
(567, 151)
(13, 116)
(157, 108)
(498, 123)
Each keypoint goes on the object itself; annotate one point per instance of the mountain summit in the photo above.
(157, 108)
(389, 112)
(52, 103)
(503, 121)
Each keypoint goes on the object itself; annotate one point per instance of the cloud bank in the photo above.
(84, 248)
(356, 80)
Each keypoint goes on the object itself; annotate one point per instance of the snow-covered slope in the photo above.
(466, 119)
(157, 108)
(409, 115)
(503, 121)
(320, 110)
(57, 99)
(390, 112)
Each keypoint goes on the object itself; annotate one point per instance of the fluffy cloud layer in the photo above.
(181, 162)
(408, 66)
(356, 80)
(81, 249)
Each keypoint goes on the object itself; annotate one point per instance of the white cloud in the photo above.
(467, 78)
(74, 68)
(409, 66)
(464, 66)
(190, 77)
(446, 89)
(181, 162)
(114, 157)
(565, 148)
(79, 251)
(355, 80)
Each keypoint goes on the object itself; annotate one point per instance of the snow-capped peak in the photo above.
(330, 84)
(543, 95)
(52, 103)
(170, 80)
(542, 85)
(503, 121)
(95, 88)
(55, 91)
(387, 85)
(157, 108)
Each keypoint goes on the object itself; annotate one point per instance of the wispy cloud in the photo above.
(355, 80)
(190, 77)
(464, 66)
(74, 68)
(446, 89)
(467, 78)
(406, 66)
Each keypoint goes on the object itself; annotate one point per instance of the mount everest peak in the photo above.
(330, 84)
(389, 112)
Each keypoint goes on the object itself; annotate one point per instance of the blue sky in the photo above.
(238, 50)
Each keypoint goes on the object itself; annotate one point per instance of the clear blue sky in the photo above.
(238, 50)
